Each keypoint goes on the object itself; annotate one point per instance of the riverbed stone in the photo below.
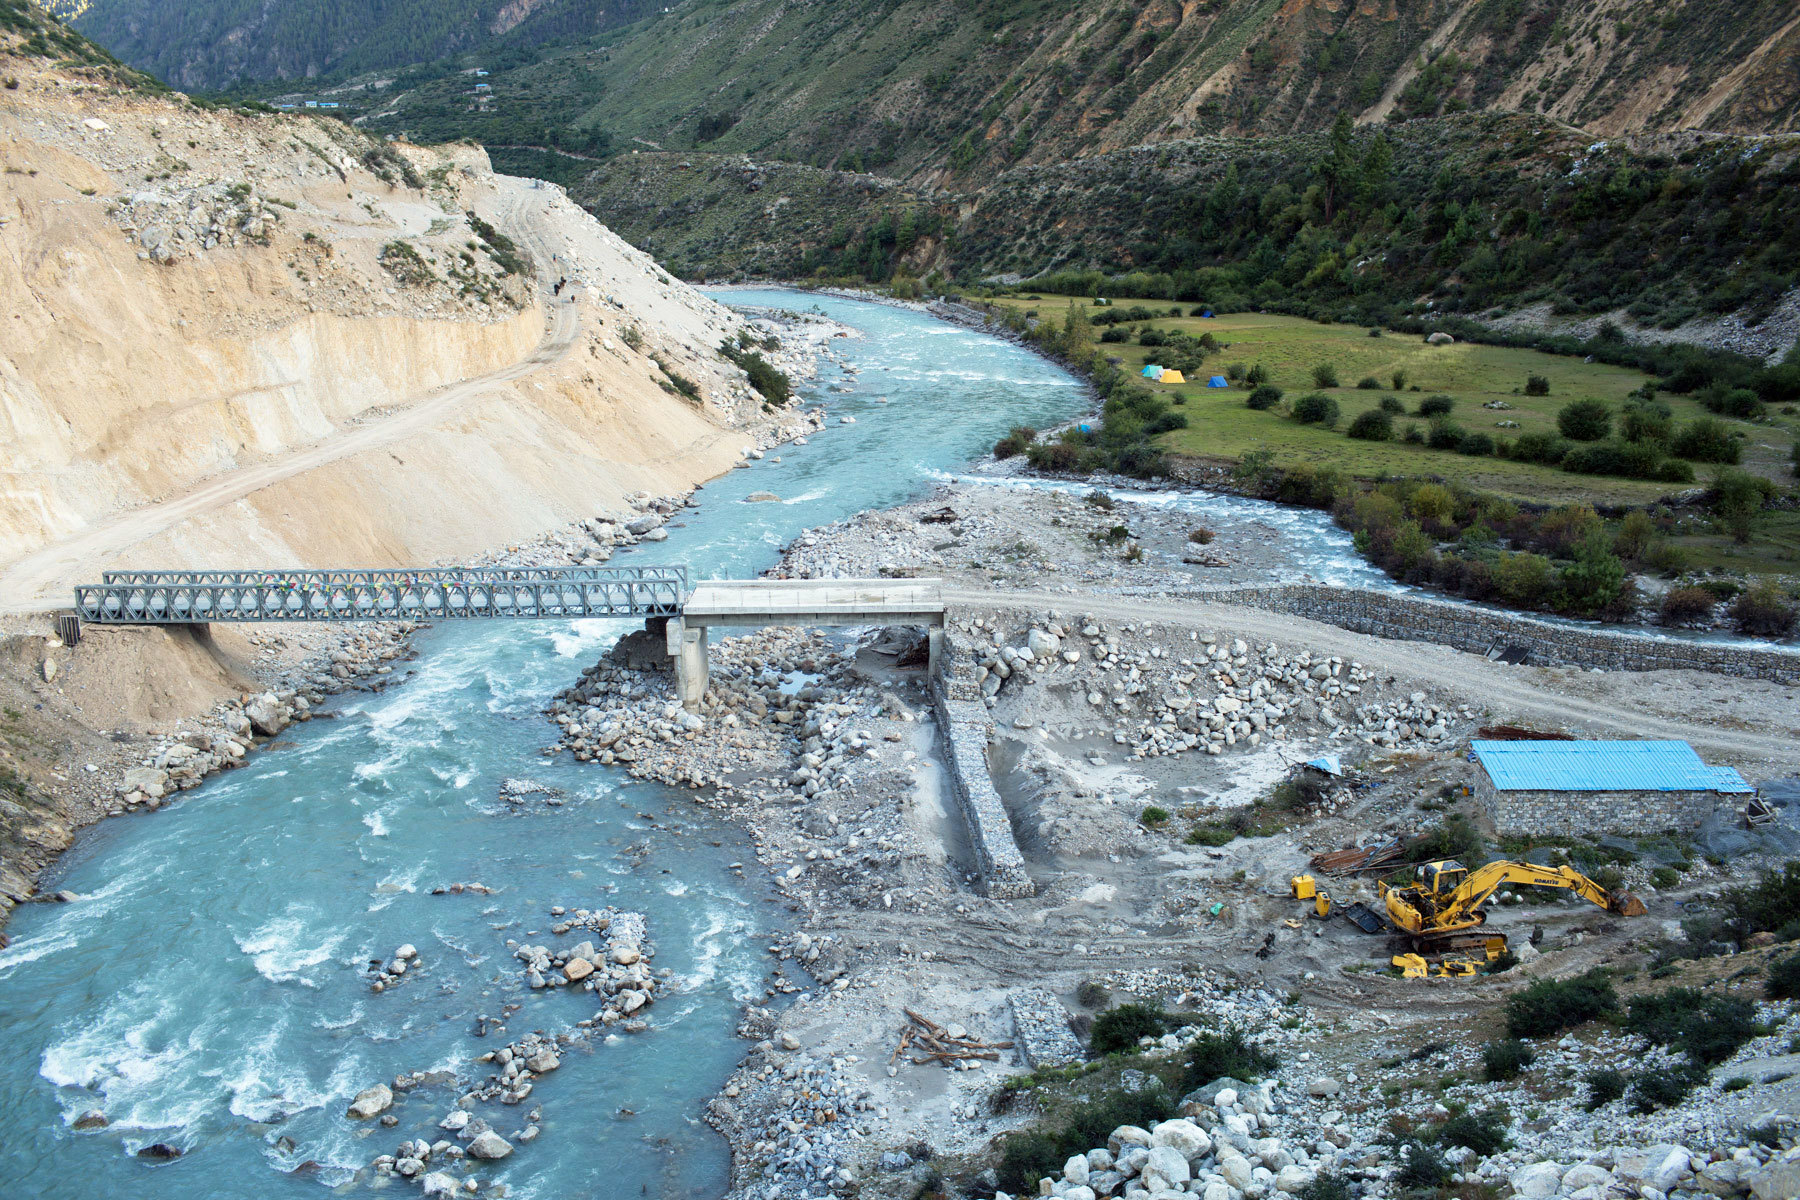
(372, 1102)
(489, 1145)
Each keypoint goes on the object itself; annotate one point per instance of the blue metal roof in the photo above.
(1551, 766)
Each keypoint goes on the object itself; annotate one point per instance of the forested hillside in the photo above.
(205, 45)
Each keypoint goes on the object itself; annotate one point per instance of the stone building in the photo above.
(1583, 788)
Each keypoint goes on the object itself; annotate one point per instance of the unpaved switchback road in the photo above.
(1709, 711)
(46, 578)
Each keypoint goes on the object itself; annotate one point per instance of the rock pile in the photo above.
(1222, 694)
(618, 972)
(385, 973)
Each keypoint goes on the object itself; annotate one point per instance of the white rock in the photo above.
(1537, 1181)
(372, 1102)
(489, 1145)
(1168, 1164)
(1076, 1169)
(1182, 1135)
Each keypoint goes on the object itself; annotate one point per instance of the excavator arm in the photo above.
(1483, 882)
(1420, 911)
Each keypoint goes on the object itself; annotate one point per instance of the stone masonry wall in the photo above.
(1419, 619)
(967, 729)
(1585, 814)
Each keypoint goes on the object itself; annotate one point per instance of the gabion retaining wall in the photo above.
(967, 728)
(1418, 619)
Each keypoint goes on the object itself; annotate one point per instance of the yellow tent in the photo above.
(1173, 377)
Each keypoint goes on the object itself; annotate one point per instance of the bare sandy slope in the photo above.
(246, 341)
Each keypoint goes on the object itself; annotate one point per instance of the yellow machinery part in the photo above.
(1412, 966)
(1322, 904)
(1305, 887)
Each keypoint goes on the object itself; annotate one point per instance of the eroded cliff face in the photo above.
(272, 339)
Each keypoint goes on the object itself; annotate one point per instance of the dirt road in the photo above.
(46, 578)
(1661, 704)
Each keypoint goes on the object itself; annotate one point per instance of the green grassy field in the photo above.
(1221, 427)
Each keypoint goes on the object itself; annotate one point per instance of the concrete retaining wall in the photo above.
(1419, 619)
(1585, 814)
(967, 730)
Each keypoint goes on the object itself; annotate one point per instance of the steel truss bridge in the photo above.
(189, 597)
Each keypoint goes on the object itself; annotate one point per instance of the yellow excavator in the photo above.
(1442, 909)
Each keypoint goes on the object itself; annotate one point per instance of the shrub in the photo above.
(1089, 994)
(1524, 580)
(1484, 1134)
(1029, 1156)
(1015, 441)
(1706, 439)
(1539, 447)
(1257, 375)
(1117, 1030)
(1399, 381)
(1738, 499)
(1784, 979)
(1506, 1059)
(1201, 536)
(1421, 1167)
(1414, 436)
(1681, 605)
(1737, 402)
(1585, 420)
(1550, 1006)
(1597, 458)
(1603, 1086)
(1772, 903)
(1436, 406)
(1456, 837)
(1114, 336)
(1537, 385)
(1645, 420)
(1265, 396)
(1709, 1029)
(1316, 408)
(1476, 445)
(1376, 425)
(1368, 383)
(1445, 434)
(1392, 406)
(1226, 1053)
(1154, 816)
(1149, 336)
(1763, 611)
(1325, 375)
(1327, 1185)
(1659, 1089)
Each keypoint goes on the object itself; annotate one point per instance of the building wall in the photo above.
(1584, 814)
(1417, 618)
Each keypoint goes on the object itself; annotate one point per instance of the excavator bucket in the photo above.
(1625, 904)
(1412, 966)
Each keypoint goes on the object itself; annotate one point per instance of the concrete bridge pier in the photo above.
(687, 647)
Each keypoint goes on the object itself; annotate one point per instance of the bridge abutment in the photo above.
(688, 648)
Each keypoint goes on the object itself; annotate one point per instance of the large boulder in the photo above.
(1166, 1166)
(489, 1145)
(372, 1102)
(1183, 1136)
(1778, 1180)
(268, 716)
(152, 782)
(440, 1185)
(1539, 1181)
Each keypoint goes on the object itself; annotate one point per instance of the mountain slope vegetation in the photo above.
(212, 45)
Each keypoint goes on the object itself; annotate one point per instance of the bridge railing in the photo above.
(432, 594)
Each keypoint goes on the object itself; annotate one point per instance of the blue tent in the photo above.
(1206, 314)
(1217, 381)
(1152, 371)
